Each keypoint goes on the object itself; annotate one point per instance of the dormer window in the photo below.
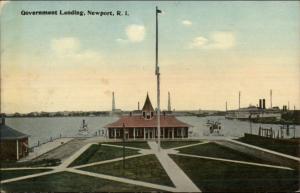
(148, 110)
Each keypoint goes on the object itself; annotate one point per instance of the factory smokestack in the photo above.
(264, 103)
(260, 104)
(239, 99)
(271, 99)
(169, 102)
(113, 108)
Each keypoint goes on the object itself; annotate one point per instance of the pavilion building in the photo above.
(144, 125)
(14, 144)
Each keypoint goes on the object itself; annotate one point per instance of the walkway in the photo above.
(181, 181)
(44, 148)
(64, 151)
(266, 150)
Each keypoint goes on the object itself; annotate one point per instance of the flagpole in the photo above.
(158, 82)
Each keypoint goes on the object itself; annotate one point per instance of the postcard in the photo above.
(150, 96)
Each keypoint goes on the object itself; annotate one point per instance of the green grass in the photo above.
(218, 151)
(172, 144)
(145, 168)
(137, 144)
(100, 153)
(69, 182)
(286, 146)
(217, 176)
(39, 163)
(8, 174)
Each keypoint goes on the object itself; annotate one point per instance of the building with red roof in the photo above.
(144, 126)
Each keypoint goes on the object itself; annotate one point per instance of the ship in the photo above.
(83, 130)
(253, 113)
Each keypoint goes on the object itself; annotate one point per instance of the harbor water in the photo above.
(44, 129)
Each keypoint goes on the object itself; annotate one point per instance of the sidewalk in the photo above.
(181, 181)
(44, 148)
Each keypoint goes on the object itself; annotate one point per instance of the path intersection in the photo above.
(182, 183)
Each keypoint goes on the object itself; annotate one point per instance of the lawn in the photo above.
(137, 144)
(145, 168)
(100, 152)
(39, 163)
(219, 151)
(172, 144)
(217, 176)
(8, 174)
(286, 146)
(69, 182)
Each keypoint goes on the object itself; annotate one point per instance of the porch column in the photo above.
(153, 133)
(17, 149)
(181, 132)
(115, 133)
(173, 133)
(134, 133)
(163, 133)
(144, 133)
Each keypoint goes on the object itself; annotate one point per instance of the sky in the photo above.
(208, 52)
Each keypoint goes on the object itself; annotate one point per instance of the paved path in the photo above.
(120, 146)
(44, 148)
(178, 177)
(73, 157)
(266, 150)
(124, 180)
(64, 151)
(108, 161)
(29, 176)
(235, 161)
(181, 181)
(26, 168)
(201, 143)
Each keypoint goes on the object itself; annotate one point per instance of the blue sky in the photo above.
(205, 48)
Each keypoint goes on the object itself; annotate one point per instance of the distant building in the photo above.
(14, 144)
(144, 125)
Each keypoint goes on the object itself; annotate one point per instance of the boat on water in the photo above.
(83, 130)
(214, 128)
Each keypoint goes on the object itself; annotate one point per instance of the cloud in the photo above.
(198, 42)
(107, 92)
(65, 45)
(121, 40)
(217, 40)
(104, 81)
(2, 3)
(186, 23)
(68, 50)
(223, 40)
(135, 33)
